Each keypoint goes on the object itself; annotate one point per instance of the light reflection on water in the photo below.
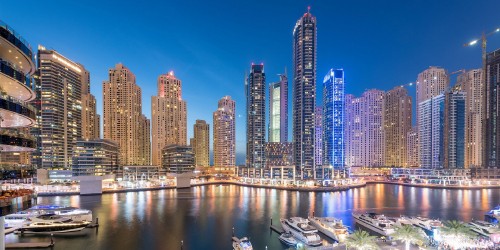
(203, 217)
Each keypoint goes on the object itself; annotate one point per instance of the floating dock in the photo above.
(29, 245)
(277, 229)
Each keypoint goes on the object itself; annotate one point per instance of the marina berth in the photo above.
(331, 227)
(378, 223)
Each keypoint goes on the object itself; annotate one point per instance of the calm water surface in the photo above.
(203, 217)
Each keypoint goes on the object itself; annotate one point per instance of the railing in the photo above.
(15, 105)
(16, 133)
(11, 36)
(8, 69)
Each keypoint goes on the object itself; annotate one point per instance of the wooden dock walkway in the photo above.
(29, 245)
(277, 229)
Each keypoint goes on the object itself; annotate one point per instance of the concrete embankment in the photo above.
(437, 186)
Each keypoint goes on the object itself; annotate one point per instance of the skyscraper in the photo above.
(454, 129)
(256, 116)
(304, 94)
(364, 129)
(123, 120)
(333, 119)
(492, 145)
(430, 83)
(201, 143)
(318, 139)
(90, 118)
(431, 132)
(412, 159)
(224, 133)
(61, 82)
(278, 110)
(397, 124)
(472, 84)
(169, 114)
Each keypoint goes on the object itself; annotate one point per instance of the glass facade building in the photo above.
(278, 110)
(492, 145)
(333, 119)
(454, 136)
(256, 116)
(431, 132)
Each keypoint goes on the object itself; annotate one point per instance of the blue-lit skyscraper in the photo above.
(454, 127)
(333, 119)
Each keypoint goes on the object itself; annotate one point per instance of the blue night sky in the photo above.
(211, 44)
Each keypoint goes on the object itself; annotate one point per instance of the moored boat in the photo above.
(301, 230)
(288, 239)
(331, 227)
(493, 216)
(242, 244)
(484, 228)
(430, 226)
(376, 222)
(52, 227)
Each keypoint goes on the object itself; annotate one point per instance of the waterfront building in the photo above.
(431, 132)
(224, 133)
(123, 120)
(95, 157)
(90, 118)
(256, 116)
(278, 110)
(454, 129)
(177, 159)
(318, 139)
(304, 94)
(492, 134)
(412, 159)
(169, 114)
(472, 84)
(279, 154)
(333, 119)
(430, 83)
(60, 100)
(17, 88)
(201, 143)
(364, 129)
(397, 125)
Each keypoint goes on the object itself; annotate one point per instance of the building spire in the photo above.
(308, 9)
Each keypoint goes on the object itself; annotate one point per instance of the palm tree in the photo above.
(361, 240)
(457, 229)
(409, 235)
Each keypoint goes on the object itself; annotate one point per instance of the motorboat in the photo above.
(331, 227)
(52, 227)
(493, 215)
(375, 222)
(402, 221)
(301, 230)
(430, 226)
(242, 244)
(49, 218)
(484, 228)
(288, 239)
(21, 218)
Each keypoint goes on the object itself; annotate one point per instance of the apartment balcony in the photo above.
(15, 83)
(14, 49)
(15, 141)
(15, 113)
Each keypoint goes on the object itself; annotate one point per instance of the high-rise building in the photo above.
(169, 114)
(60, 123)
(201, 143)
(454, 129)
(256, 117)
(431, 132)
(123, 120)
(397, 125)
(278, 110)
(412, 159)
(304, 94)
(364, 129)
(492, 134)
(95, 157)
(279, 154)
(17, 88)
(90, 118)
(430, 83)
(177, 159)
(472, 84)
(318, 138)
(333, 119)
(224, 133)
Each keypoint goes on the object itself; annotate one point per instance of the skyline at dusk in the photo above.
(210, 46)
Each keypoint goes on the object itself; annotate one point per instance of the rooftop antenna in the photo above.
(308, 9)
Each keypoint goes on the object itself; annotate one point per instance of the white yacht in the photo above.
(52, 227)
(429, 225)
(288, 239)
(301, 230)
(21, 218)
(242, 244)
(331, 227)
(401, 221)
(484, 228)
(375, 222)
(493, 215)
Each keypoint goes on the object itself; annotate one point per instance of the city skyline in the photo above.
(98, 62)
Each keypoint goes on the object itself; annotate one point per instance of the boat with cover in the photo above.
(376, 222)
(331, 227)
(288, 239)
(242, 244)
(301, 230)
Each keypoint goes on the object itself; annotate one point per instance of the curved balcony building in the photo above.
(16, 89)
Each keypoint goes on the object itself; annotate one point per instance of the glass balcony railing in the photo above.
(16, 138)
(17, 106)
(8, 69)
(14, 38)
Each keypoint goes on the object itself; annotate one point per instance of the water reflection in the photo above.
(203, 217)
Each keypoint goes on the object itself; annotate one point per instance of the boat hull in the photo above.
(367, 225)
(315, 222)
(297, 235)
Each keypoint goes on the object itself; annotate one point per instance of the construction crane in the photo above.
(485, 88)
